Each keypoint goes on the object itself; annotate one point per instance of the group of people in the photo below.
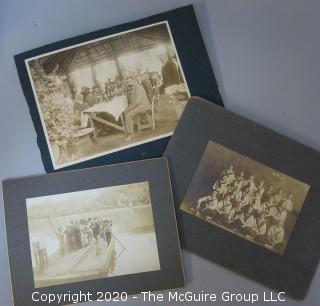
(81, 233)
(90, 96)
(62, 101)
(142, 88)
(146, 88)
(248, 208)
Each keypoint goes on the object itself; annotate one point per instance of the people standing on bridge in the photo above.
(108, 230)
(81, 233)
(95, 227)
(62, 241)
(77, 236)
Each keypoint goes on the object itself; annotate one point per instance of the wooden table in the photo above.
(115, 108)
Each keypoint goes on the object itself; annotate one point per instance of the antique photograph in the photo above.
(108, 94)
(92, 234)
(245, 197)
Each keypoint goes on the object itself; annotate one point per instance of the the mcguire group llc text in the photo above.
(167, 297)
(226, 296)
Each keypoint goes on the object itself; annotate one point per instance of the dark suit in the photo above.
(148, 88)
(170, 74)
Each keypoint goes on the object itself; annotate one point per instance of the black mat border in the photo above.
(194, 60)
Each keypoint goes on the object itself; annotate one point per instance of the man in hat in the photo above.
(145, 82)
(138, 103)
(170, 72)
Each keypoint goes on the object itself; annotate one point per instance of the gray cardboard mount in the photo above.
(155, 171)
(203, 121)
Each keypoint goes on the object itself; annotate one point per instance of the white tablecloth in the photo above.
(115, 107)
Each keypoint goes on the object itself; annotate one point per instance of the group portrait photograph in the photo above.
(245, 197)
(92, 234)
(108, 94)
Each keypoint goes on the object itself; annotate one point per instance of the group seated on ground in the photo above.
(246, 207)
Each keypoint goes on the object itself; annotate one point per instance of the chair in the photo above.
(82, 133)
(146, 120)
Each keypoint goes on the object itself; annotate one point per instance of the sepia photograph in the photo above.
(108, 94)
(245, 197)
(92, 234)
(108, 228)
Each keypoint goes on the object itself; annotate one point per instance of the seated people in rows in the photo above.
(210, 206)
(221, 187)
(236, 215)
(207, 205)
(267, 194)
(289, 203)
(249, 183)
(248, 221)
(275, 235)
(229, 173)
(247, 208)
(269, 203)
(260, 189)
(278, 196)
(224, 206)
(260, 227)
(240, 181)
(137, 103)
(236, 194)
(256, 202)
(202, 204)
(245, 199)
(210, 209)
(278, 212)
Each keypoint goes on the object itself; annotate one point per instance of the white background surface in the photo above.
(266, 59)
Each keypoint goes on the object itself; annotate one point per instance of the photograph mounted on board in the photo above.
(108, 94)
(92, 234)
(245, 197)
(110, 227)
